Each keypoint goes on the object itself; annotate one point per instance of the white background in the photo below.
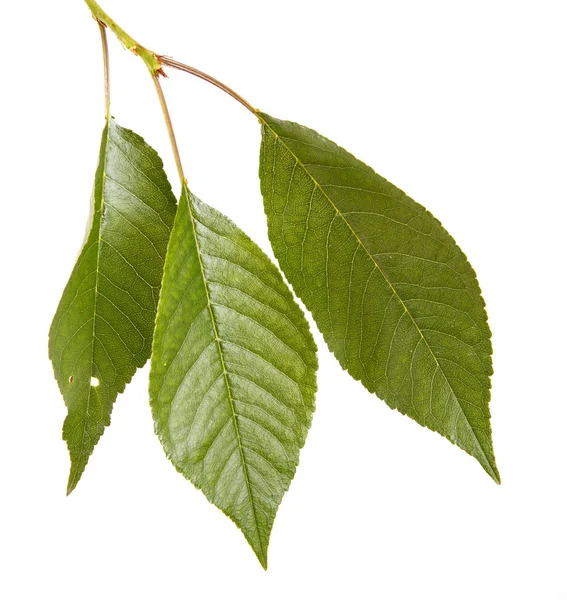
(461, 104)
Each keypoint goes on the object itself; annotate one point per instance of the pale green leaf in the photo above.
(102, 330)
(232, 378)
(394, 296)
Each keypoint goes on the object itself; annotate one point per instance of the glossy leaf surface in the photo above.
(102, 330)
(395, 298)
(232, 380)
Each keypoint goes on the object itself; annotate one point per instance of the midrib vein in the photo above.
(97, 268)
(223, 365)
(394, 292)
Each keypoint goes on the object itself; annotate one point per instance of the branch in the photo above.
(150, 58)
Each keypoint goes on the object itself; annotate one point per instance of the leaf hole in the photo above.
(94, 382)
(71, 379)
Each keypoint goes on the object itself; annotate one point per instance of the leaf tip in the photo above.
(259, 547)
(71, 485)
(258, 542)
(263, 558)
(490, 467)
(496, 475)
(74, 477)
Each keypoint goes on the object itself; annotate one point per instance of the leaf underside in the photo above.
(393, 295)
(232, 378)
(102, 330)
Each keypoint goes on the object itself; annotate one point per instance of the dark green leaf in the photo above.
(102, 330)
(232, 380)
(394, 296)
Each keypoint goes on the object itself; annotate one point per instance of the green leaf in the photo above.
(232, 379)
(102, 330)
(394, 296)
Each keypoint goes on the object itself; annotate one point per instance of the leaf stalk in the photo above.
(170, 62)
(170, 132)
(105, 61)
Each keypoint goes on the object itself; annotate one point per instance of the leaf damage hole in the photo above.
(94, 382)
(71, 379)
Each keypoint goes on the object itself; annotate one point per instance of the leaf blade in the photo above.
(232, 381)
(102, 329)
(410, 290)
